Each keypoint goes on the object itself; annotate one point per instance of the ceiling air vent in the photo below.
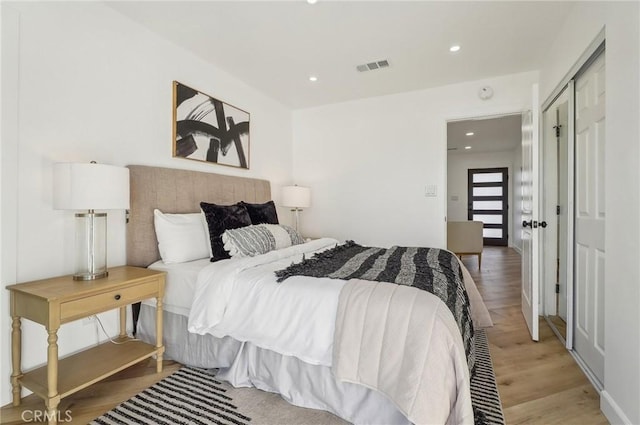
(371, 66)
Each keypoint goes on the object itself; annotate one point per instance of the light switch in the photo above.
(431, 190)
(455, 198)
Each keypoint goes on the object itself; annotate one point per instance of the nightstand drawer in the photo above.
(83, 307)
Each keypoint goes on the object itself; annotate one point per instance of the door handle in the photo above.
(543, 224)
(526, 223)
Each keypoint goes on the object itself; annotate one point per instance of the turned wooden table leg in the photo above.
(123, 321)
(159, 344)
(53, 398)
(16, 358)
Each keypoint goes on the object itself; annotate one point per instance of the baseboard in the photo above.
(608, 406)
(611, 410)
(517, 249)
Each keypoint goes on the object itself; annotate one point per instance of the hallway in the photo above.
(539, 382)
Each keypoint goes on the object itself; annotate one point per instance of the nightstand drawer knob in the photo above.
(117, 297)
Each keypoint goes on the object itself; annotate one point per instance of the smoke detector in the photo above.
(372, 66)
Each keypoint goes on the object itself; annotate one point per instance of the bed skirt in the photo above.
(243, 364)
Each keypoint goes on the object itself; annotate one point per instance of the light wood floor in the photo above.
(539, 383)
(560, 325)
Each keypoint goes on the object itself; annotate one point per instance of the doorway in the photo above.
(486, 143)
(558, 210)
(575, 257)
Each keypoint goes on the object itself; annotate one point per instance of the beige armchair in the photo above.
(465, 238)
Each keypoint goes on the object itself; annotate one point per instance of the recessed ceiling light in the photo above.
(313, 78)
(454, 48)
(312, 1)
(471, 133)
(467, 147)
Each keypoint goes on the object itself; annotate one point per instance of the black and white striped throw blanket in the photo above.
(430, 269)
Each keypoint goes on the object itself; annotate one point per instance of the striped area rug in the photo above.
(485, 399)
(189, 396)
(193, 396)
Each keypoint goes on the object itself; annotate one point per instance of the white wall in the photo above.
(368, 161)
(94, 85)
(458, 164)
(621, 20)
(8, 193)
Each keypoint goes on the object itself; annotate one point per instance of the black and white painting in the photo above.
(207, 129)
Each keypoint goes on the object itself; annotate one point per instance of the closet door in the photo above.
(589, 253)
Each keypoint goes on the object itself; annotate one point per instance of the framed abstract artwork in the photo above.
(207, 129)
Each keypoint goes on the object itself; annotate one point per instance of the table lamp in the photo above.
(90, 187)
(296, 198)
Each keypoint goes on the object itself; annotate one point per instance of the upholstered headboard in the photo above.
(178, 191)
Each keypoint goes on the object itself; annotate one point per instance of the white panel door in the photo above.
(529, 208)
(589, 251)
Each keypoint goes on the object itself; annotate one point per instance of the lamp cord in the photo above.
(111, 339)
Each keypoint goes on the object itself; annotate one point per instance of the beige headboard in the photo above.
(178, 191)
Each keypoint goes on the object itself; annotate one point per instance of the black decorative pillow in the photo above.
(220, 218)
(262, 213)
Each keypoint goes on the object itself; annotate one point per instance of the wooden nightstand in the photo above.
(52, 302)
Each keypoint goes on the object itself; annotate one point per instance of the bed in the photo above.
(279, 336)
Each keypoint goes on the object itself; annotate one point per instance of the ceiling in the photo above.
(489, 135)
(274, 46)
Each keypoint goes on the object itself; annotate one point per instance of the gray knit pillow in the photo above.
(259, 239)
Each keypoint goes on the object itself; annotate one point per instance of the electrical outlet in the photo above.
(89, 320)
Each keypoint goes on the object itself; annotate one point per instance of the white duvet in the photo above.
(405, 343)
(240, 298)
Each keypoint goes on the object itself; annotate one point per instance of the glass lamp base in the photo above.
(90, 276)
(296, 217)
(91, 246)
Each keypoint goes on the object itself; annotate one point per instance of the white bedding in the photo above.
(237, 298)
(405, 343)
(180, 284)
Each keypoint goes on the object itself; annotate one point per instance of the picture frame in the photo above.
(209, 130)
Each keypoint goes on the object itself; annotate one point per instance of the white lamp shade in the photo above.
(79, 186)
(296, 197)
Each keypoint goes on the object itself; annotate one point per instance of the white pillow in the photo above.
(181, 237)
(205, 229)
